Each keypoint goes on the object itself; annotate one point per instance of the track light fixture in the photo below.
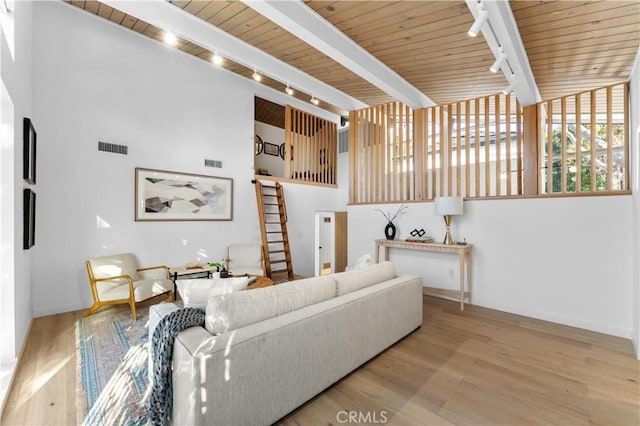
(507, 90)
(314, 100)
(289, 91)
(256, 76)
(482, 17)
(499, 61)
(217, 59)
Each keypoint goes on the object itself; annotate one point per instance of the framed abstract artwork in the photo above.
(29, 218)
(162, 195)
(29, 152)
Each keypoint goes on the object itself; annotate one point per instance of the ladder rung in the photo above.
(278, 261)
(276, 251)
(272, 223)
(274, 232)
(279, 271)
(270, 204)
(275, 242)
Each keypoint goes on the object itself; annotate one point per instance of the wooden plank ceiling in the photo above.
(572, 46)
(578, 45)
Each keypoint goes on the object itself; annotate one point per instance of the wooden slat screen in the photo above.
(382, 154)
(471, 148)
(585, 142)
(476, 148)
(313, 152)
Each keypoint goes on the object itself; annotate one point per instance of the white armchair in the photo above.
(117, 279)
(245, 259)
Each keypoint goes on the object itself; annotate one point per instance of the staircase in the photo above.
(272, 214)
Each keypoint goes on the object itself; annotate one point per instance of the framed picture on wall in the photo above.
(29, 152)
(162, 195)
(29, 218)
(271, 149)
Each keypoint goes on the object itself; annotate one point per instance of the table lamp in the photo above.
(447, 207)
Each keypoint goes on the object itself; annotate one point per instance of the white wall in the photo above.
(16, 277)
(95, 81)
(566, 260)
(273, 135)
(634, 130)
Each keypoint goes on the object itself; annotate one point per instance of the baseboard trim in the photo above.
(559, 319)
(15, 367)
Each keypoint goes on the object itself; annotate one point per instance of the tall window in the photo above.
(584, 142)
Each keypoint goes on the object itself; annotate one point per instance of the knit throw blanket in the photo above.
(161, 398)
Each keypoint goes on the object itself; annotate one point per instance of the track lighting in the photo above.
(170, 38)
(289, 90)
(499, 61)
(217, 59)
(314, 100)
(482, 17)
(511, 86)
(256, 76)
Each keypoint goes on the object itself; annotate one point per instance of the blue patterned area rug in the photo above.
(112, 367)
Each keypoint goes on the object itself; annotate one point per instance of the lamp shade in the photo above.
(448, 206)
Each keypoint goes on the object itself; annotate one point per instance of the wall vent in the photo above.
(343, 140)
(112, 147)
(213, 163)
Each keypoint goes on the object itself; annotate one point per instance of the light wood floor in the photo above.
(473, 367)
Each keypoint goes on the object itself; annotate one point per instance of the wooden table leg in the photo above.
(469, 280)
(461, 259)
(377, 256)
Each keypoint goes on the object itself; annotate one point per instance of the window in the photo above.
(584, 142)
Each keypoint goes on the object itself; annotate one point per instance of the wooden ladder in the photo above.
(272, 214)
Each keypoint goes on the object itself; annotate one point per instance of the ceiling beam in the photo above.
(166, 16)
(304, 23)
(501, 30)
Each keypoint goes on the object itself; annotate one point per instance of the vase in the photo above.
(390, 231)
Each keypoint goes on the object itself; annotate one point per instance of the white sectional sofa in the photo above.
(264, 352)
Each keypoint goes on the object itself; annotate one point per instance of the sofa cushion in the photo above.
(355, 280)
(195, 293)
(230, 311)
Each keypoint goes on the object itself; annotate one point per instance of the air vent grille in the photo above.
(112, 147)
(343, 141)
(217, 164)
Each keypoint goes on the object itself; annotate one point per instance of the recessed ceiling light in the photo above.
(289, 91)
(170, 38)
(217, 59)
(256, 76)
(314, 100)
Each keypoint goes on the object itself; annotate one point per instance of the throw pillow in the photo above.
(231, 311)
(195, 293)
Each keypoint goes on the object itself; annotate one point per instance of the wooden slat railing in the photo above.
(312, 144)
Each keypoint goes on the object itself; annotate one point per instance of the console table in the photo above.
(464, 256)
